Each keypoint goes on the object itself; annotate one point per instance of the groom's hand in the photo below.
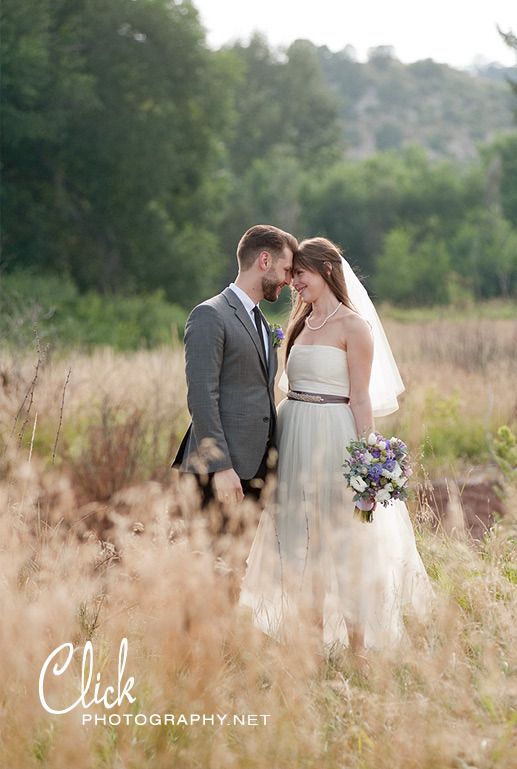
(227, 486)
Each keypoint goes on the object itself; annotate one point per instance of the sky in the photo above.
(450, 31)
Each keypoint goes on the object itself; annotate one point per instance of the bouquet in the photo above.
(377, 469)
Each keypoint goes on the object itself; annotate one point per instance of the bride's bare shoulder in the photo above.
(356, 331)
(353, 322)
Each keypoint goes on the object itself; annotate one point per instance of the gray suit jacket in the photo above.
(230, 391)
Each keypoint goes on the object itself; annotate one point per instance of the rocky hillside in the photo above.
(386, 104)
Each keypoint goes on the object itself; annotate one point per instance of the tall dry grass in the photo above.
(123, 414)
(116, 417)
(459, 389)
(446, 699)
(89, 553)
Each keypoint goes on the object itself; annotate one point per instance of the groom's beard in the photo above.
(270, 288)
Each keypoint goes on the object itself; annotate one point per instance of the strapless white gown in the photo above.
(309, 550)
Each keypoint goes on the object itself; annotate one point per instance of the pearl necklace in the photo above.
(316, 328)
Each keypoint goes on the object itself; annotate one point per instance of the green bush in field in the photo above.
(51, 308)
(124, 322)
(449, 434)
(505, 450)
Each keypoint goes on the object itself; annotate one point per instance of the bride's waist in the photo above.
(311, 386)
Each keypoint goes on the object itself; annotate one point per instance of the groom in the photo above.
(230, 367)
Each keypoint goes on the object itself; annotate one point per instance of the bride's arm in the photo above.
(360, 355)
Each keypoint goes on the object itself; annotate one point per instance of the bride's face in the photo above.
(310, 285)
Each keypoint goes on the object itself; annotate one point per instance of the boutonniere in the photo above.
(277, 334)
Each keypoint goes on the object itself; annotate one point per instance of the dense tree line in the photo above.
(133, 157)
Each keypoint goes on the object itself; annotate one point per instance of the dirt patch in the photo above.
(469, 505)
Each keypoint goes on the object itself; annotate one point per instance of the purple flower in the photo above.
(375, 471)
(277, 333)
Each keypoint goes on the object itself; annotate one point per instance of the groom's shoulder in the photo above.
(219, 301)
(214, 305)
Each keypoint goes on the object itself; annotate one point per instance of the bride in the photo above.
(310, 554)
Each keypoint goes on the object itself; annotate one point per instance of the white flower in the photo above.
(393, 474)
(358, 483)
(382, 495)
(388, 487)
(368, 458)
(382, 445)
(372, 439)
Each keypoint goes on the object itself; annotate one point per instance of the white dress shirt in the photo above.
(249, 305)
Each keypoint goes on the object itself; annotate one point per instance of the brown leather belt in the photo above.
(297, 395)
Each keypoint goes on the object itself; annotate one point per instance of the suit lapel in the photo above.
(245, 319)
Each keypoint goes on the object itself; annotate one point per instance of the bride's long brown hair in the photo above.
(324, 257)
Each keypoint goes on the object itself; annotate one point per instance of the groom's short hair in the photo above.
(263, 237)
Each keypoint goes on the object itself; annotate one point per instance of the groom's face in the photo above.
(278, 275)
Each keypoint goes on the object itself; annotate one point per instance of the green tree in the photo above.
(114, 115)
(395, 277)
(414, 267)
(267, 191)
(511, 41)
(309, 109)
(388, 136)
(283, 103)
(258, 113)
(485, 249)
(501, 158)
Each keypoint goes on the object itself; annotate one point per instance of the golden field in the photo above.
(98, 543)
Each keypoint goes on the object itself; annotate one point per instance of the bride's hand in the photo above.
(227, 486)
(366, 504)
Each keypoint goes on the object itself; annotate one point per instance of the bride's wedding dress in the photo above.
(309, 549)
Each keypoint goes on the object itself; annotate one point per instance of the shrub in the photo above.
(448, 434)
(505, 450)
(51, 308)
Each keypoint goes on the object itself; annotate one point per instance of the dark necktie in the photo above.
(258, 324)
(259, 320)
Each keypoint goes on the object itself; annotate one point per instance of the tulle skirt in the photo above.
(311, 553)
